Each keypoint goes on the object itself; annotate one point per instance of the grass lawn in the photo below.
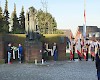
(76, 56)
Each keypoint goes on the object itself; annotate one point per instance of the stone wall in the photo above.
(62, 49)
(32, 51)
(1, 49)
(61, 46)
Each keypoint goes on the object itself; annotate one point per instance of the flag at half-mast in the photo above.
(84, 25)
(84, 31)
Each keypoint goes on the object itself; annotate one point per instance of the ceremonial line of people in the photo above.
(11, 51)
(83, 47)
(53, 51)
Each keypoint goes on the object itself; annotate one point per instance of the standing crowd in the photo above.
(83, 48)
(50, 51)
(11, 52)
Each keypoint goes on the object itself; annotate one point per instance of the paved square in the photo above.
(60, 70)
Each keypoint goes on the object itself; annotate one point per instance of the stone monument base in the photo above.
(33, 51)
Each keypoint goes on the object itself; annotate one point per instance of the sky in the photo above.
(69, 14)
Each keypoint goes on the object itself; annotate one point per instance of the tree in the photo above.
(22, 20)
(15, 25)
(6, 18)
(1, 20)
(46, 22)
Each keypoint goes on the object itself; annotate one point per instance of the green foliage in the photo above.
(15, 26)
(52, 37)
(22, 20)
(15, 38)
(59, 32)
(1, 20)
(6, 18)
(46, 22)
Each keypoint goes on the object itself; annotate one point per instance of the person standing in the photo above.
(9, 51)
(92, 50)
(55, 52)
(87, 48)
(45, 52)
(97, 61)
(20, 48)
(79, 49)
(73, 48)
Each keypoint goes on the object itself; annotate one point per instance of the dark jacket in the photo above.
(20, 50)
(9, 49)
(98, 60)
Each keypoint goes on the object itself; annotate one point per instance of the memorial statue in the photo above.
(31, 24)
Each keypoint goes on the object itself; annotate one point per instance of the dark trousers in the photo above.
(98, 74)
(92, 58)
(55, 55)
(45, 56)
(73, 55)
(79, 57)
(87, 55)
(98, 78)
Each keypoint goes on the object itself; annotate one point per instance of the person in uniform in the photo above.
(73, 48)
(92, 44)
(79, 49)
(87, 48)
(97, 61)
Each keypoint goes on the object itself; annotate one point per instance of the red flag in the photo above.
(84, 53)
(84, 17)
(79, 53)
(93, 54)
(71, 55)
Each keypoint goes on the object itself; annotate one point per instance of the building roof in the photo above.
(89, 29)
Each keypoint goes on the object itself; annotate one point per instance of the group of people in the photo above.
(10, 52)
(83, 47)
(50, 52)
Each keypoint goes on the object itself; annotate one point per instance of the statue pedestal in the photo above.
(33, 51)
(1, 50)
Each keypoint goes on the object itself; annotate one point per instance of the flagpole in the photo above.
(84, 26)
(0, 3)
(85, 11)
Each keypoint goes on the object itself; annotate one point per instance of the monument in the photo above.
(33, 45)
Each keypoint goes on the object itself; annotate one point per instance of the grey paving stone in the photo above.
(60, 70)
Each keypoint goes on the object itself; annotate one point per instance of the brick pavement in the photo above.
(60, 70)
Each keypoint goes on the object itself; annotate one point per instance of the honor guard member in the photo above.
(92, 44)
(87, 48)
(78, 45)
(98, 62)
(73, 48)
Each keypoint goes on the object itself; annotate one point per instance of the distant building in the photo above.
(90, 32)
(68, 34)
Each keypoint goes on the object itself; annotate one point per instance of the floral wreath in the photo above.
(14, 48)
